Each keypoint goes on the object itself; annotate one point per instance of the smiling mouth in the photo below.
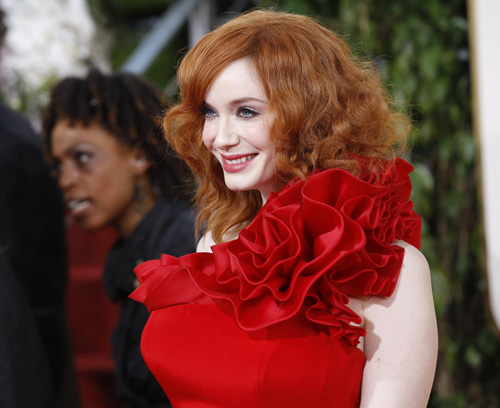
(241, 159)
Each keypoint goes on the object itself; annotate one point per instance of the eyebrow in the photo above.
(75, 147)
(244, 100)
(66, 152)
(240, 101)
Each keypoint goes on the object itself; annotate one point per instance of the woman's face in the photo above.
(236, 129)
(97, 174)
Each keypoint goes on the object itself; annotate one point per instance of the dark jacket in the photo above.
(32, 240)
(24, 369)
(168, 228)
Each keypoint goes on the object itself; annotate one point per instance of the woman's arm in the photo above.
(401, 340)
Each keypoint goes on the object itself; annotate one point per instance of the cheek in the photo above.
(262, 138)
(121, 194)
(114, 194)
(100, 175)
(110, 177)
(207, 136)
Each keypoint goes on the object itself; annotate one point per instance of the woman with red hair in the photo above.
(307, 289)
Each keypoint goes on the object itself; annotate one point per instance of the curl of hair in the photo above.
(328, 105)
(129, 108)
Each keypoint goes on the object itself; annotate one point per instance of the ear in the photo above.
(139, 162)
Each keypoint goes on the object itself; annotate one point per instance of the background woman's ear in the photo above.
(140, 162)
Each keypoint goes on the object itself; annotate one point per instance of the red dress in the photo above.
(263, 321)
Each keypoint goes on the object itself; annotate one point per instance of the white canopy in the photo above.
(485, 37)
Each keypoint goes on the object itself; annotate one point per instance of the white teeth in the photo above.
(241, 160)
(78, 205)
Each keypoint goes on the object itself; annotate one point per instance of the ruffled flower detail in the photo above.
(312, 245)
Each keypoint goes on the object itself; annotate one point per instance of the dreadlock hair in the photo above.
(129, 108)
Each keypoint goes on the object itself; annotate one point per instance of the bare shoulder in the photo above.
(205, 243)
(414, 262)
(401, 332)
(414, 278)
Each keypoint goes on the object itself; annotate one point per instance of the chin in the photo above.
(91, 226)
(234, 186)
(239, 185)
(240, 188)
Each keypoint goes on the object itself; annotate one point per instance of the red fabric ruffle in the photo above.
(312, 245)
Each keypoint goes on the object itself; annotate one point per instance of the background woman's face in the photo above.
(236, 129)
(96, 174)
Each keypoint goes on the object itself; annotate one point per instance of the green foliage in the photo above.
(129, 22)
(23, 98)
(425, 49)
(421, 47)
(113, 10)
(127, 38)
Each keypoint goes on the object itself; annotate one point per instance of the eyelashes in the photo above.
(243, 112)
(246, 112)
(80, 160)
(207, 112)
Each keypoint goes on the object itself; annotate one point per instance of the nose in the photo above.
(67, 177)
(226, 135)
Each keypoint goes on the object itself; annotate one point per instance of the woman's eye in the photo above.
(208, 112)
(247, 113)
(82, 158)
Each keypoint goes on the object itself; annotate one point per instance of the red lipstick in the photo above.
(233, 163)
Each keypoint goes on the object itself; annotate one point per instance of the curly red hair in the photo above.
(328, 105)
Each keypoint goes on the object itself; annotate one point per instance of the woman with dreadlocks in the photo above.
(103, 137)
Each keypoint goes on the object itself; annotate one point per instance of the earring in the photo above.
(139, 196)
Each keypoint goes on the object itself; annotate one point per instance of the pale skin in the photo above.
(401, 336)
(401, 331)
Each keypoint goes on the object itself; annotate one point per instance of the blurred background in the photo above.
(422, 48)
